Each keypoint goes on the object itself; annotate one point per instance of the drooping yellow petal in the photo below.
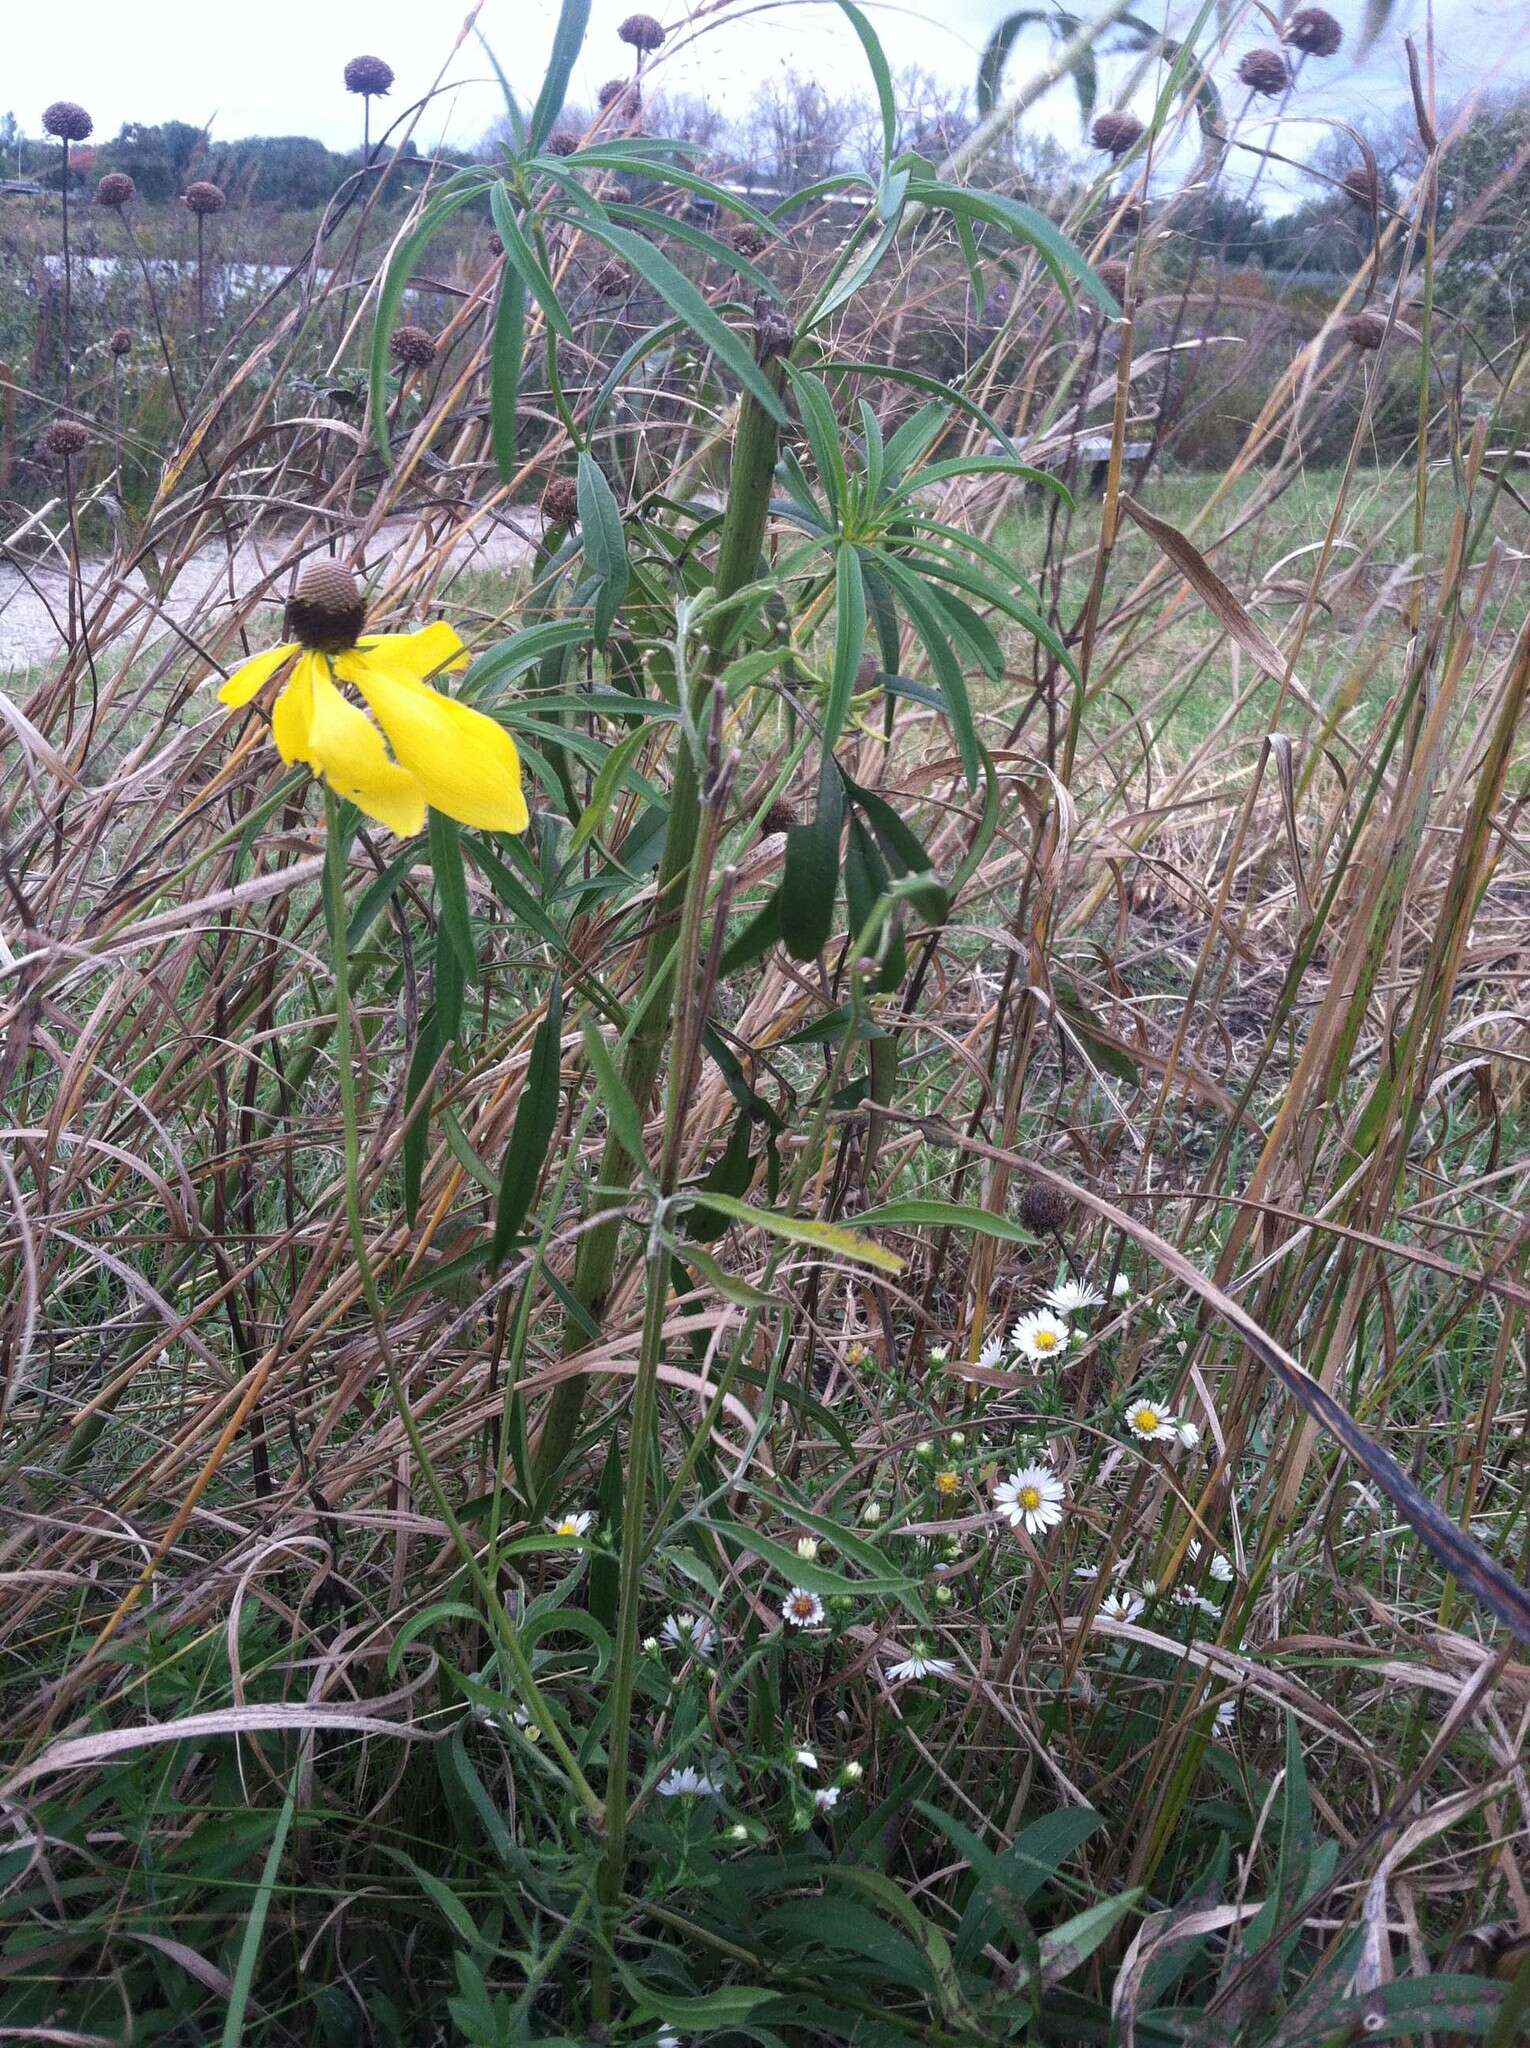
(466, 765)
(292, 713)
(252, 675)
(347, 750)
(418, 654)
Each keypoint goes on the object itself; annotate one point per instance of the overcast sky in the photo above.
(274, 67)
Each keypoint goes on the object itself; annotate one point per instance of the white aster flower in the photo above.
(807, 1548)
(1150, 1421)
(1226, 1714)
(1068, 1297)
(871, 1513)
(851, 1773)
(691, 1634)
(826, 1798)
(1031, 1499)
(805, 1759)
(991, 1357)
(1086, 1571)
(668, 2038)
(573, 1525)
(1189, 1434)
(801, 1608)
(920, 1665)
(1041, 1336)
(1122, 1606)
(1120, 1287)
(939, 1354)
(650, 1645)
(1222, 1570)
(687, 1783)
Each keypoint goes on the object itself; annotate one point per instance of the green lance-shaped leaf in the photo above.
(811, 875)
(451, 891)
(573, 20)
(849, 640)
(536, 1115)
(505, 359)
(605, 545)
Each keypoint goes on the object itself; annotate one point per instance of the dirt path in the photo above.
(34, 596)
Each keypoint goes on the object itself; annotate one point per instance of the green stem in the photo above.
(493, 1607)
(743, 537)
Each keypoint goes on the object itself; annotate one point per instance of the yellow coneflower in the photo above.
(443, 753)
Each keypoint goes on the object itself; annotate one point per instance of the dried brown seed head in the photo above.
(1265, 71)
(205, 197)
(749, 240)
(368, 75)
(67, 120)
(66, 438)
(327, 610)
(1313, 31)
(611, 280)
(119, 341)
(1362, 183)
(414, 347)
(1116, 133)
(560, 501)
(1365, 331)
(564, 143)
(1112, 274)
(778, 819)
(116, 189)
(642, 32)
(617, 194)
(1044, 1209)
(623, 95)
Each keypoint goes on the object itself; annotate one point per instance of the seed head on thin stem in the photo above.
(1112, 274)
(66, 439)
(1361, 183)
(116, 189)
(1313, 31)
(1265, 71)
(67, 120)
(611, 280)
(623, 95)
(369, 75)
(1044, 1208)
(749, 240)
(413, 347)
(1364, 331)
(119, 342)
(1116, 133)
(563, 143)
(560, 501)
(642, 32)
(204, 197)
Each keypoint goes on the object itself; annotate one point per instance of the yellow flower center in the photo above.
(1148, 1419)
(946, 1482)
(1045, 1340)
(802, 1605)
(568, 1527)
(1030, 1497)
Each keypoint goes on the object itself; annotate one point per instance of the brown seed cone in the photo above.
(560, 501)
(642, 32)
(1364, 331)
(749, 240)
(496, 246)
(369, 75)
(564, 143)
(1116, 133)
(1112, 274)
(1265, 71)
(611, 280)
(327, 610)
(116, 189)
(65, 438)
(119, 341)
(67, 120)
(204, 197)
(617, 194)
(622, 94)
(1362, 183)
(1313, 31)
(414, 347)
(778, 819)
(1044, 1209)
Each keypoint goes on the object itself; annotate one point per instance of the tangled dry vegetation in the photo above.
(500, 1536)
